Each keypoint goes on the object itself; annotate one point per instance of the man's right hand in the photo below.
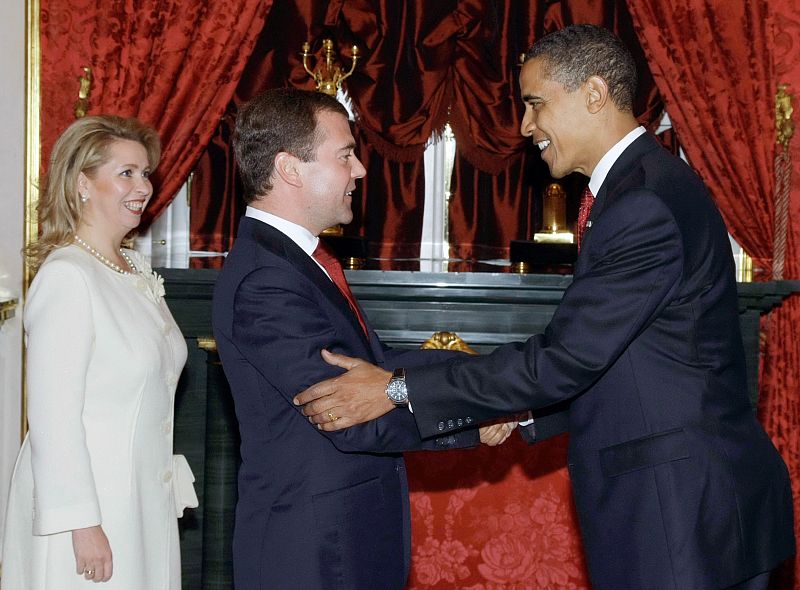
(354, 397)
(496, 434)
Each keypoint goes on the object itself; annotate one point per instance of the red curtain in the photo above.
(487, 211)
(216, 197)
(168, 62)
(421, 66)
(780, 376)
(712, 63)
(495, 189)
(717, 65)
(401, 91)
(391, 218)
(493, 174)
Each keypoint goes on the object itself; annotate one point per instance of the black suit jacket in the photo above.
(315, 509)
(677, 485)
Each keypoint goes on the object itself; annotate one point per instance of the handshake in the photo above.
(497, 433)
(358, 396)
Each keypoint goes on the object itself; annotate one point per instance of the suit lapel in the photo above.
(284, 247)
(624, 165)
(632, 154)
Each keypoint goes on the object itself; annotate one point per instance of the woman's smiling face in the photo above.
(118, 191)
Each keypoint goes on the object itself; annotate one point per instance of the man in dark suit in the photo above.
(315, 509)
(677, 486)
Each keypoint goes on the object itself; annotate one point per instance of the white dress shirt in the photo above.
(607, 161)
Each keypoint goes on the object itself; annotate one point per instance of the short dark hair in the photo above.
(277, 120)
(572, 55)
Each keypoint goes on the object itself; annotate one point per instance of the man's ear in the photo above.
(596, 94)
(288, 170)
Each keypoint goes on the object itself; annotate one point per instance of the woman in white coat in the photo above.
(96, 490)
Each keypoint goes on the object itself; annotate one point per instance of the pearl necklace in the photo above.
(106, 261)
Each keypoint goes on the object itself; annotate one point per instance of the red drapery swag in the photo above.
(717, 65)
(423, 64)
(275, 61)
(400, 91)
(167, 62)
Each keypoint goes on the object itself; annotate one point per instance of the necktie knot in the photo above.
(325, 256)
(587, 200)
(330, 263)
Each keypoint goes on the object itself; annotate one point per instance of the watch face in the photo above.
(397, 392)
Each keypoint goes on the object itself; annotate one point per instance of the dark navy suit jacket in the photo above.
(677, 486)
(315, 509)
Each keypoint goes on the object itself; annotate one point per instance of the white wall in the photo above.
(12, 199)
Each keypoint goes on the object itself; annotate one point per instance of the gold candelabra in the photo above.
(329, 76)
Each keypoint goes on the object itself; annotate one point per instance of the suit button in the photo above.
(441, 425)
(460, 422)
(450, 424)
(468, 420)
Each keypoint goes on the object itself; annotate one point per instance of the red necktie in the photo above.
(330, 263)
(587, 200)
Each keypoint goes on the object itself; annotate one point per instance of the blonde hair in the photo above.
(83, 147)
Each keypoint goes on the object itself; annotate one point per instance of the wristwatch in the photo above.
(396, 389)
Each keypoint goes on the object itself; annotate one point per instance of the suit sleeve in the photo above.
(60, 337)
(397, 357)
(547, 423)
(631, 269)
(281, 331)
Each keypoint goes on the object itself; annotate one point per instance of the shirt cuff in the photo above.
(529, 421)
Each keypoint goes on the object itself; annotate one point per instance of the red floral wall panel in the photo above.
(495, 518)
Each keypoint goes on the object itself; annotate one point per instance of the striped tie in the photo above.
(330, 263)
(587, 200)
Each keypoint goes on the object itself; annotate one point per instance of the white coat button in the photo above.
(167, 328)
(167, 427)
(167, 476)
(172, 380)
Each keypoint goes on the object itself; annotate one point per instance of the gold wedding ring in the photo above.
(89, 573)
(332, 417)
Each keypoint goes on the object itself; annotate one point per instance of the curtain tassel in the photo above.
(784, 129)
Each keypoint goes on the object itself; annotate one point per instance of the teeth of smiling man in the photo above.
(543, 144)
(135, 206)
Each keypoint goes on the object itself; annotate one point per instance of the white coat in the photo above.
(103, 360)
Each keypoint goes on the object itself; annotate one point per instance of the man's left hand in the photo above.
(354, 397)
